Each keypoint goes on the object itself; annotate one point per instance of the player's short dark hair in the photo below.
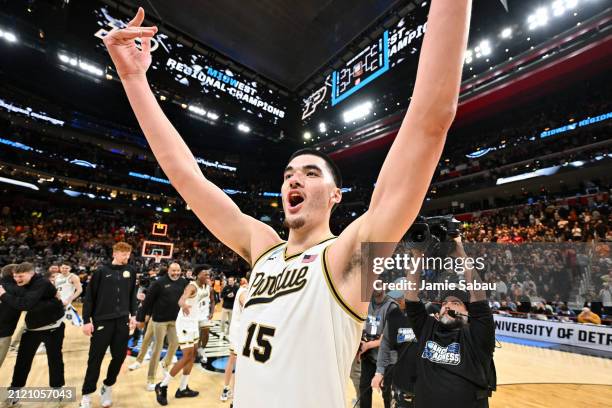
(330, 163)
(200, 268)
(24, 267)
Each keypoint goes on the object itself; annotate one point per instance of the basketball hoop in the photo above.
(157, 250)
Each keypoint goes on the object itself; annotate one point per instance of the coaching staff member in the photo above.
(455, 349)
(109, 302)
(161, 303)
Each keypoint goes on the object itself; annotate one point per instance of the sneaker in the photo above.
(161, 394)
(226, 394)
(151, 387)
(135, 365)
(202, 355)
(59, 403)
(12, 403)
(106, 394)
(85, 402)
(186, 393)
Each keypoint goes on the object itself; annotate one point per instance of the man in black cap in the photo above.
(455, 348)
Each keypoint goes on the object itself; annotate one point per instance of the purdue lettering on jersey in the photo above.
(267, 288)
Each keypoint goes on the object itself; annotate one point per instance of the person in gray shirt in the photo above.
(379, 309)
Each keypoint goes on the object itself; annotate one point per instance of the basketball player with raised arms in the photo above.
(302, 319)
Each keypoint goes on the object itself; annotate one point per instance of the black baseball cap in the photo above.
(462, 295)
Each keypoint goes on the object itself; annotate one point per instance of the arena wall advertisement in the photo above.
(571, 334)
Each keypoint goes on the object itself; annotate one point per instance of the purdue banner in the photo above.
(572, 334)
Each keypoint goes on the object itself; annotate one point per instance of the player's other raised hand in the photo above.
(129, 60)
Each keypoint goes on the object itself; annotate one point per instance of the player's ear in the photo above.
(336, 195)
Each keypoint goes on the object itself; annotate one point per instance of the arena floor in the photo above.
(527, 377)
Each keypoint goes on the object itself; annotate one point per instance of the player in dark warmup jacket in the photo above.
(108, 313)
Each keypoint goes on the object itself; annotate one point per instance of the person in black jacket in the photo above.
(9, 317)
(44, 323)
(455, 349)
(228, 294)
(396, 363)
(161, 304)
(108, 313)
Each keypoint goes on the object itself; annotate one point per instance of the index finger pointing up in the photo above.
(138, 18)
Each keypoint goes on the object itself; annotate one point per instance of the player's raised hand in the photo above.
(121, 45)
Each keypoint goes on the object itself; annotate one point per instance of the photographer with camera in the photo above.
(378, 310)
(455, 348)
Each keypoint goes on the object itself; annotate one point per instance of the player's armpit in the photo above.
(343, 260)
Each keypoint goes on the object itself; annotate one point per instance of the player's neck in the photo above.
(303, 238)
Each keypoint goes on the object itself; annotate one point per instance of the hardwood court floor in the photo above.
(528, 377)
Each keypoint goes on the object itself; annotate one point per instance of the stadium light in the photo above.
(506, 32)
(469, 56)
(538, 19)
(571, 4)
(212, 115)
(307, 135)
(558, 7)
(357, 112)
(81, 64)
(243, 128)
(322, 127)
(19, 183)
(8, 36)
(197, 110)
(485, 47)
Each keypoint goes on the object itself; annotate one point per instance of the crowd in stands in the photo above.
(531, 250)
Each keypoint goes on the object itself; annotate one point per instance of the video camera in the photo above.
(429, 233)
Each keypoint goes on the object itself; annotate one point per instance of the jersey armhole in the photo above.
(335, 293)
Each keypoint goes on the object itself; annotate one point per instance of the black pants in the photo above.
(368, 369)
(114, 333)
(53, 340)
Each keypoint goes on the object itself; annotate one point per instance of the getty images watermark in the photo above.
(411, 264)
(522, 271)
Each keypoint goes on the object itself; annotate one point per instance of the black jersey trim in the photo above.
(336, 294)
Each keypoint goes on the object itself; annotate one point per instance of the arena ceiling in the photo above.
(285, 41)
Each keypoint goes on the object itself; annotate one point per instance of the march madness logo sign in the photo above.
(436, 353)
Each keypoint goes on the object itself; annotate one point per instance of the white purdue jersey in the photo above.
(64, 286)
(195, 312)
(297, 336)
(205, 303)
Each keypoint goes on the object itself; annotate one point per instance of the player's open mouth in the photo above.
(295, 200)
